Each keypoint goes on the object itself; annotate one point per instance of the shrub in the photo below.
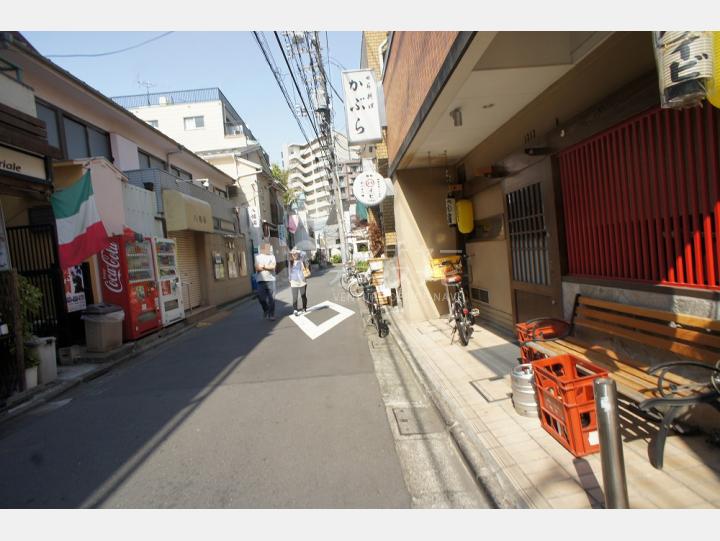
(361, 266)
(336, 259)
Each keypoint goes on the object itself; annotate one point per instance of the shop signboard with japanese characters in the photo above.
(370, 188)
(362, 110)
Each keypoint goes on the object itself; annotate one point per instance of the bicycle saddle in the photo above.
(453, 279)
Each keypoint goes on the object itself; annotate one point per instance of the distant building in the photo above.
(207, 123)
(309, 173)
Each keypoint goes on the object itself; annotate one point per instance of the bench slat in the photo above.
(636, 379)
(690, 352)
(626, 387)
(683, 319)
(677, 333)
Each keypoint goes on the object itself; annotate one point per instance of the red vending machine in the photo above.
(128, 279)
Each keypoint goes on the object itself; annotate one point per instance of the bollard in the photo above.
(611, 451)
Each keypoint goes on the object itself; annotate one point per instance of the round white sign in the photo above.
(369, 188)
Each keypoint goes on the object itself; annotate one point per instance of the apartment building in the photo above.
(309, 173)
(142, 180)
(205, 121)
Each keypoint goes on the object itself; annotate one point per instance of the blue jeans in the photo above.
(266, 296)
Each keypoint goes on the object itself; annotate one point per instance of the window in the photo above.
(180, 173)
(75, 139)
(49, 116)
(99, 143)
(153, 123)
(194, 122)
(148, 161)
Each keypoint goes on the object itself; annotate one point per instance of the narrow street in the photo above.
(239, 412)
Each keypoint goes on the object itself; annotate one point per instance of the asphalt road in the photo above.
(239, 412)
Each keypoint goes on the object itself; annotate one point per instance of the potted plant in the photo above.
(39, 351)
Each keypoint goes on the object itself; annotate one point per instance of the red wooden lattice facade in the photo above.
(642, 200)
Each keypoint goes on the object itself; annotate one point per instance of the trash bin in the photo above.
(103, 327)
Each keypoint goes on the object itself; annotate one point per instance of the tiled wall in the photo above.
(414, 62)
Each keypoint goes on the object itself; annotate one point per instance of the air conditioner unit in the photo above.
(165, 100)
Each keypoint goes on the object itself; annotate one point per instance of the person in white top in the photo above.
(265, 278)
(296, 271)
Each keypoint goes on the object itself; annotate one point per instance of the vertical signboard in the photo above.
(362, 109)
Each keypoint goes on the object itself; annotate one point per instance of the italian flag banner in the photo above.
(81, 232)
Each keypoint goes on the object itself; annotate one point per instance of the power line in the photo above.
(268, 56)
(88, 55)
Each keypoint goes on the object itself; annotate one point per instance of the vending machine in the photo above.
(128, 279)
(169, 288)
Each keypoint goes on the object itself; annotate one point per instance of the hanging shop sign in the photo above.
(450, 211)
(74, 288)
(685, 67)
(362, 107)
(20, 163)
(370, 188)
(253, 217)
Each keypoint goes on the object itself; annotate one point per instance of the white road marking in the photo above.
(312, 330)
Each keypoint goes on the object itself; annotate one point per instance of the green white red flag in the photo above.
(81, 232)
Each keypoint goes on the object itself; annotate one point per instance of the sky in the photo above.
(231, 61)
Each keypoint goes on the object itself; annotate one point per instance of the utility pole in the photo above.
(325, 118)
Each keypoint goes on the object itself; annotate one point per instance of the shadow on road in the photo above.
(78, 453)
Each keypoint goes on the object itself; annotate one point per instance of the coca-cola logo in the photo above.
(110, 257)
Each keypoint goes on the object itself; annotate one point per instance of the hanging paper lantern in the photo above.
(464, 215)
(293, 222)
(714, 90)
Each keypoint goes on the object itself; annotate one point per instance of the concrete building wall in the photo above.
(219, 291)
(212, 136)
(489, 261)
(416, 57)
(125, 153)
(423, 232)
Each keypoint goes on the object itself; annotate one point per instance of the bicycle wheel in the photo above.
(355, 289)
(462, 324)
(345, 281)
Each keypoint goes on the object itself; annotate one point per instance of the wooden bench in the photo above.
(684, 342)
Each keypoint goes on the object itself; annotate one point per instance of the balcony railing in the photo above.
(162, 180)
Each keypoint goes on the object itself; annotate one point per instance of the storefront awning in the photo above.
(183, 211)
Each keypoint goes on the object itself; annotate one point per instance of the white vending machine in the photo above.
(170, 291)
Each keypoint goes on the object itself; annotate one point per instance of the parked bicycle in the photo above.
(348, 273)
(461, 312)
(356, 286)
(376, 313)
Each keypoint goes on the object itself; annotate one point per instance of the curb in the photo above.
(41, 397)
(487, 470)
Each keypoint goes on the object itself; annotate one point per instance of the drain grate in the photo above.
(413, 421)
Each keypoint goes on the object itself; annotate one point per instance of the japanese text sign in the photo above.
(362, 110)
(369, 188)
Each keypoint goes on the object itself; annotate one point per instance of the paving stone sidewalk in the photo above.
(475, 380)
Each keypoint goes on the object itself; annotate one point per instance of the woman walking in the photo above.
(299, 272)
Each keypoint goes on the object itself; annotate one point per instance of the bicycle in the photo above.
(357, 284)
(461, 311)
(347, 275)
(373, 304)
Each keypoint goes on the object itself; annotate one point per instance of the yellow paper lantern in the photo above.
(465, 219)
(714, 90)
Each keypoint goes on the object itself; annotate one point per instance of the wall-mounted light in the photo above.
(456, 115)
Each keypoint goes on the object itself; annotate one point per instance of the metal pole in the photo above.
(611, 451)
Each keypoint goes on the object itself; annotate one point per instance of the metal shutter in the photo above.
(188, 266)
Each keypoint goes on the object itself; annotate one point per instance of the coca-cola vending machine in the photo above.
(128, 279)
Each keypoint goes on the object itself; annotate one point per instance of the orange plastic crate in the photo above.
(567, 402)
